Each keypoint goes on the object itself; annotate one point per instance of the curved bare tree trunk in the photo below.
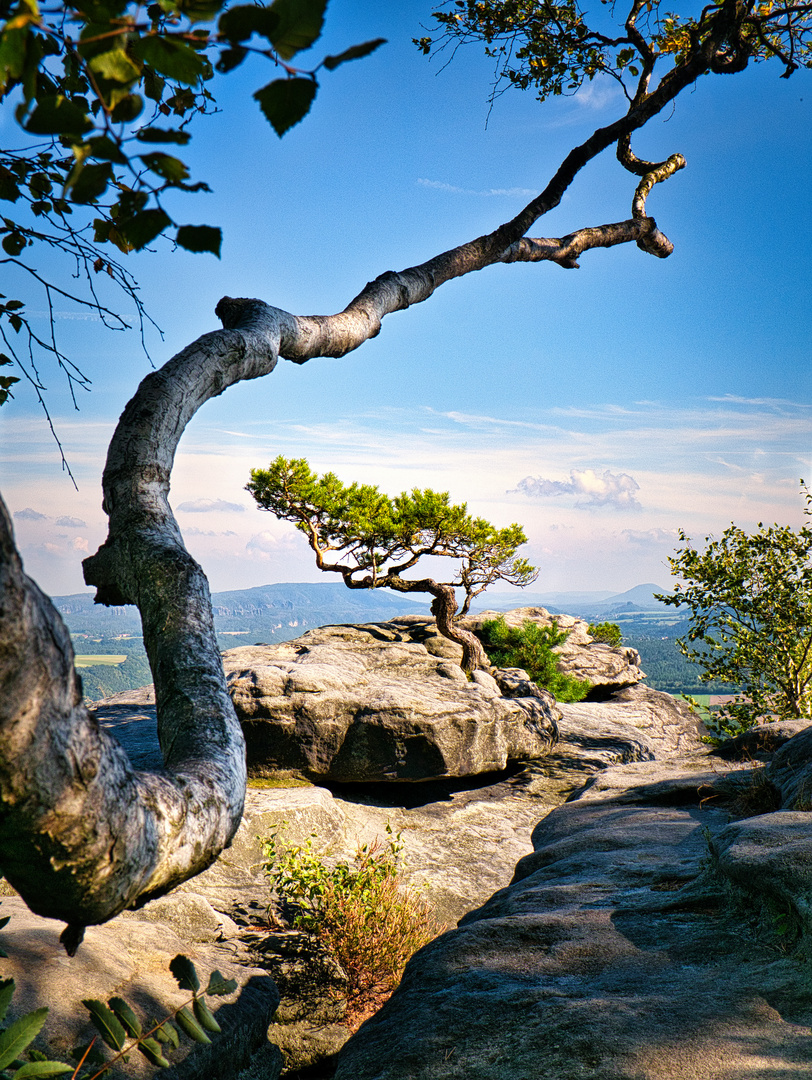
(444, 608)
(82, 835)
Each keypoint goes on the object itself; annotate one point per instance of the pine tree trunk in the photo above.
(444, 608)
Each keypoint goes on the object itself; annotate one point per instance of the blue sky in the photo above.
(602, 408)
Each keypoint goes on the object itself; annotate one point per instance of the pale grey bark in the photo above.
(83, 836)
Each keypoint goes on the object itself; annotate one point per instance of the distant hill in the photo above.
(639, 599)
(589, 605)
(287, 609)
(568, 603)
(282, 611)
(274, 612)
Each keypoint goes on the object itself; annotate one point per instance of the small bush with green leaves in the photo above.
(119, 1027)
(530, 647)
(360, 912)
(608, 633)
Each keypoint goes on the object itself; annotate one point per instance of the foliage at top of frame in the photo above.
(103, 94)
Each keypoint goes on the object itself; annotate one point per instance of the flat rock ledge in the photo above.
(655, 928)
(656, 932)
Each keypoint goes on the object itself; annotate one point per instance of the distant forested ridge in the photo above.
(280, 612)
(266, 614)
(666, 668)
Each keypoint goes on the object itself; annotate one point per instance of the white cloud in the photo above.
(699, 465)
(650, 537)
(192, 531)
(608, 489)
(29, 515)
(68, 522)
(266, 543)
(206, 506)
(451, 189)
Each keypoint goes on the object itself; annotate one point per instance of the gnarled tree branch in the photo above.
(82, 835)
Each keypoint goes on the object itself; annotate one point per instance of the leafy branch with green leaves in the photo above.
(749, 597)
(554, 48)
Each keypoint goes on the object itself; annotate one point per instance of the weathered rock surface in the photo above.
(636, 939)
(368, 704)
(583, 968)
(643, 939)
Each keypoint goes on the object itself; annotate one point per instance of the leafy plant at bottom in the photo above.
(530, 647)
(119, 1028)
(360, 911)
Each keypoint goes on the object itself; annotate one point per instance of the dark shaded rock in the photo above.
(790, 771)
(771, 857)
(136, 728)
(308, 1026)
(761, 742)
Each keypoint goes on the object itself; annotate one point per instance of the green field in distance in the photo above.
(89, 660)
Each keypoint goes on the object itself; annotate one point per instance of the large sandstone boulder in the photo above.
(369, 703)
(389, 701)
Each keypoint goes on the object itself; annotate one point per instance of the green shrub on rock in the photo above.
(360, 912)
(608, 633)
(530, 647)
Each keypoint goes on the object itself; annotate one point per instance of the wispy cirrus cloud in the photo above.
(776, 403)
(192, 531)
(593, 490)
(487, 193)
